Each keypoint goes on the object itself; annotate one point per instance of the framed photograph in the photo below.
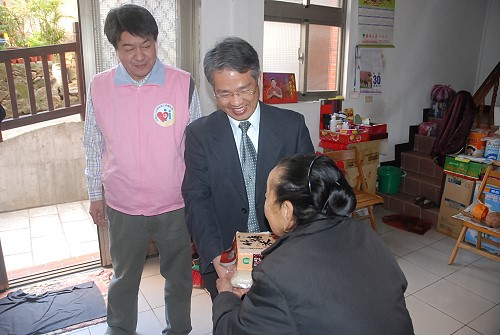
(279, 88)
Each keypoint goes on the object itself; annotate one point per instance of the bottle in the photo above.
(334, 123)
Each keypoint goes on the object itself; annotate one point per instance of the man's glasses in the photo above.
(244, 94)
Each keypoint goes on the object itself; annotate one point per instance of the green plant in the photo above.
(42, 18)
(47, 15)
(12, 23)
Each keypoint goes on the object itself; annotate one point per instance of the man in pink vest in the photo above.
(136, 117)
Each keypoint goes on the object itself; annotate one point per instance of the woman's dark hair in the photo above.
(133, 19)
(315, 186)
(232, 53)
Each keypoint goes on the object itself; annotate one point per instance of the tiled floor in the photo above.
(39, 238)
(463, 299)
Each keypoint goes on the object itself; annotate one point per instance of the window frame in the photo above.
(306, 14)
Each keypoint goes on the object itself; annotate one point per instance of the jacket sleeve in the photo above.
(200, 215)
(304, 143)
(264, 310)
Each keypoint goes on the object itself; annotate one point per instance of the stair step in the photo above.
(419, 162)
(424, 143)
(416, 184)
(404, 203)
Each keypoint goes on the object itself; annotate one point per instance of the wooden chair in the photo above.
(491, 177)
(349, 161)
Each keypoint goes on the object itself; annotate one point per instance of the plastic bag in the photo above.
(242, 278)
(427, 128)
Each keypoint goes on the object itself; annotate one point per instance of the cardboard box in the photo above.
(246, 249)
(344, 136)
(368, 155)
(381, 136)
(465, 167)
(369, 170)
(457, 196)
(492, 200)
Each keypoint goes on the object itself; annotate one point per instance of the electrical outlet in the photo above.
(368, 98)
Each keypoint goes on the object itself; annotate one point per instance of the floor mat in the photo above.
(101, 278)
(409, 223)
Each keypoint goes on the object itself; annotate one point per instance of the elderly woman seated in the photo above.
(327, 274)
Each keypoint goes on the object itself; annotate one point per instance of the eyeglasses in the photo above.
(244, 94)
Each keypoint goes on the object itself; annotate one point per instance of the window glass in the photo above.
(323, 58)
(328, 3)
(306, 41)
(281, 47)
(292, 1)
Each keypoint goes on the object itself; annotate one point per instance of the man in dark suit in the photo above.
(218, 198)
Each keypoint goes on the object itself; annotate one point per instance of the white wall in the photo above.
(437, 42)
(42, 167)
(490, 48)
(223, 18)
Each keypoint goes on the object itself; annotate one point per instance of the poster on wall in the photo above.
(279, 88)
(370, 71)
(376, 22)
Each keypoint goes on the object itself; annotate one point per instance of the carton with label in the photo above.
(457, 196)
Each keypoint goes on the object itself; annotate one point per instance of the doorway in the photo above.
(45, 242)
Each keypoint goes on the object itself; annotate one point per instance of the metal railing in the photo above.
(37, 114)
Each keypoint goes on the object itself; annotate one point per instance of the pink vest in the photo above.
(143, 129)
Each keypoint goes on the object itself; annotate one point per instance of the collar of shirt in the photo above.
(155, 77)
(253, 131)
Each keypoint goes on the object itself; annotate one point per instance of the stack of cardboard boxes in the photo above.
(462, 179)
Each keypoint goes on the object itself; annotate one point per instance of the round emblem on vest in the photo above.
(164, 115)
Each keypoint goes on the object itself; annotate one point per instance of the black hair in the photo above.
(232, 53)
(136, 20)
(315, 186)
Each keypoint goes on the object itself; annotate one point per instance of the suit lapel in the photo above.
(226, 153)
(270, 146)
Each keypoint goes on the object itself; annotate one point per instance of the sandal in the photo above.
(428, 204)
(419, 201)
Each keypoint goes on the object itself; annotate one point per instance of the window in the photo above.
(305, 37)
(176, 22)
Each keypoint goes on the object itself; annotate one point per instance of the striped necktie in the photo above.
(248, 166)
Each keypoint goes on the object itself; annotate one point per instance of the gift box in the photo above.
(246, 249)
(374, 128)
(376, 131)
(466, 166)
(345, 136)
(246, 253)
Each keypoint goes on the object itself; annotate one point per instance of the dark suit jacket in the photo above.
(213, 187)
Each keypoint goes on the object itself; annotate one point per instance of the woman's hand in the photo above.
(224, 285)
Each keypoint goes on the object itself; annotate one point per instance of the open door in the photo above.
(103, 237)
(4, 281)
